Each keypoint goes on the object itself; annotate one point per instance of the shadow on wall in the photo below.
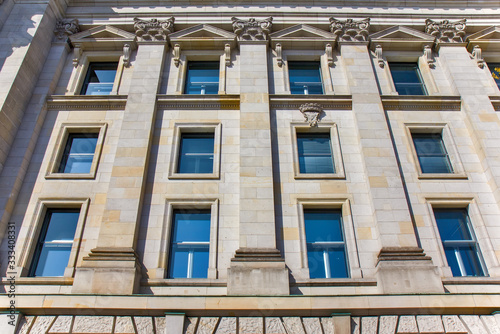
(15, 38)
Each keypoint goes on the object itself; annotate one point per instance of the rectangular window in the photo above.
(326, 249)
(431, 153)
(459, 243)
(53, 249)
(305, 77)
(407, 79)
(315, 153)
(78, 153)
(495, 72)
(190, 244)
(99, 79)
(196, 153)
(202, 77)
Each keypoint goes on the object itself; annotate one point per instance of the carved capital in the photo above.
(153, 30)
(65, 28)
(446, 31)
(251, 29)
(350, 30)
(311, 112)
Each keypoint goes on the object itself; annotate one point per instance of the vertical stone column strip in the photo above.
(174, 323)
(257, 267)
(12, 177)
(9, 322)
(112, 266)
(341, 323)
(400, 255)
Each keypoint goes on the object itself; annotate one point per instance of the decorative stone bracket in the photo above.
(65, 28)
(279, 54)
(350, 30)
(227, 54)
(77, 54)
(378, 54)
(329, 54)
(153, 30)
(312, 113)
(477, 55)
(446, 31)
(429, 57)
(251, 29)
(177, 55)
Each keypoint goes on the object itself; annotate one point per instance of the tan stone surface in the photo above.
(227, 325)
(124, 325)
(93, 324)
(61, 325)
(274, 325)
(251, 325)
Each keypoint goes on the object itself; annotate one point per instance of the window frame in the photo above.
(173, 204)
(419, 74)
(488, 63)
(179, 129)
(37, 222)
(458, 171)
(60, 146)
(304, 62)
(80, 72)
(324, 127)
(350, 240)
(199, 56)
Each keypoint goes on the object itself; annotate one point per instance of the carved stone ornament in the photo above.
(77, 53)
(329, 54)
(153, 30)
(311, 112)
(177, 55)
(65, 28)
(350, 30)
(227, 54)
(446, 31)
(126, 55)
(477, 55)
(251, 29)
(429, 57)
(279, 54)
(378, 54)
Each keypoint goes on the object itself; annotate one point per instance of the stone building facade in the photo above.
(250, 166)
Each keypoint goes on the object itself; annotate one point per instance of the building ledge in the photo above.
(86, 102)
(495, 101)
(187, 282)
(421, 102)
(335, 282)
(294, 101)
(471, 280)
(196, 102)
(40, 281)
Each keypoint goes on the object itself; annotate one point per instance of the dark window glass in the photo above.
(431, 153)
(100, 78)
(315, 154)
(305, 77)
(55, 242)
(459, 244)
(196, 153)
(78, 153)
(326, 251)
(495, 72)
(407, 79)
(202, 77)
(190, 244)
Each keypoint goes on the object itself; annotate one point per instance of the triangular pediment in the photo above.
(102, 33)
(491, 33)
(401, 33)
(202, 31)
(301, 31)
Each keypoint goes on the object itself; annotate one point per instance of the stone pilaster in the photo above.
(257, 267)
(112, 267)
(390, 207)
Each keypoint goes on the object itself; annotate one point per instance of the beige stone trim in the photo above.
(348, 227)
(338, 163)
(179, 129)
(28, 247)
(190, 202)
(458, 171)
(62, 138)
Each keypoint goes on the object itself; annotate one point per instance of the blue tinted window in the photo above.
(100, 79)
(305, 77)
(196, 153)
(55, 242)
(78, 153)
(495, 72)
(202, 77)
(190, 244)
(315, 154)
(407, 79)
(459, 244)
(431, 153)
(326, 251)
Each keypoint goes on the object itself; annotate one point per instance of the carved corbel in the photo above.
(350, 30)
(312, 113)
(153, 30)
(77, 53)
(227, 54)
(126, 55)
(177, 54)
(446, 31)
(378, 54)
(329, 54)
(477, 55)
(429, 57)
(251, 29)
(279, 54)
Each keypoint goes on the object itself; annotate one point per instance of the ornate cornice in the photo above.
(217, 102)
(421, 103)
(153, 30)
(350, 30)
(84, 102)
(446, 31)
(294, 102)
(251, 29)
(65, 28)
